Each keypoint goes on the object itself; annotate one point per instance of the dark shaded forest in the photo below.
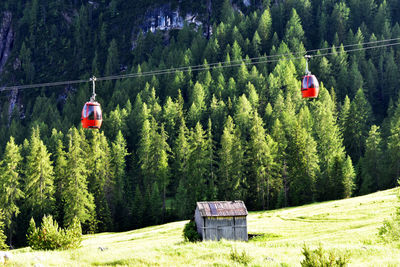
(220, 133)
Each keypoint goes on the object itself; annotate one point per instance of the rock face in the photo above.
(164, 18)
(6, 39)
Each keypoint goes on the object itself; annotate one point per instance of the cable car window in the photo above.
(310, 82)
(91, 112)
(98, 113)
(84, 111)
(304, 82)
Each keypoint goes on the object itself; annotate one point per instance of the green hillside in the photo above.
(343, 225)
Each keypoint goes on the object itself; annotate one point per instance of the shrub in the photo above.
(190, 232)
(390, 230)
(2, 236)
(321, 258)
(50, 237)
(243, 258)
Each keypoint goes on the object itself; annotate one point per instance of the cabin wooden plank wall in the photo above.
(221, 220)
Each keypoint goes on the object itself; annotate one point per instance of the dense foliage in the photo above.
(3, 237)
(50, 237)
(390, 230)
(190, 233)
(321, 258)
(234, 132)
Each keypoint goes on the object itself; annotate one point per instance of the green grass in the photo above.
(348, 225)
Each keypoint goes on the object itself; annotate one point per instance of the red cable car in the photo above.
(309, 85)
(91, 115)
(91, 112)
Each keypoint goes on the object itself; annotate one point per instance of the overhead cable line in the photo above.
(217, 65)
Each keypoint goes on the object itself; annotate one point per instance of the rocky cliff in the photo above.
(6, 39)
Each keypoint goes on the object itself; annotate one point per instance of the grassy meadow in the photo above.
(348, 225)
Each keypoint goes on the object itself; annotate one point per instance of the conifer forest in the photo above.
(224, 127)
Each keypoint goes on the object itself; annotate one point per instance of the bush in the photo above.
(50, 237)
(2, 236)
(390, 230)
(190, 232)
(243, 258)
(321, 258)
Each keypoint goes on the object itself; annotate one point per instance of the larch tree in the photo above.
(371, 168)
(230, 169)
(357, 125)
(181, 170)
(10, 187)
(265, 28)
(303, 165)
(160, 153)
(78, 202)
(211, 173)
(2, 235)
(197, 166)
(101, 179)
(39, 178)
(294, 33)
(60, 178)
(122, 186)
(262, 153)
(329, 143)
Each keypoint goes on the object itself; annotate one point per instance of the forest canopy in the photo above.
(241, 131)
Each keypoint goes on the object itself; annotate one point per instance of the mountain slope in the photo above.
(344, 225)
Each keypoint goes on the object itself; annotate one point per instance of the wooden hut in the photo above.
(221, 219)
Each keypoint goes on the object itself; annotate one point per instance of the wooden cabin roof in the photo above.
(222, 208)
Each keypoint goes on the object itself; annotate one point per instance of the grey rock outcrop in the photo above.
(6, 39)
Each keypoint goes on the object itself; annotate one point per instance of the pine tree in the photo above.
(160, 153)
(329, 144)
(242, 116)
(101, 180)
(357, 125)
(78, 202)
(144, 153)
(230, 171)
(339, 20)
(60, 172)
(371, 169)
(196, 167)
(227, 12)
(303, 165)
(156, 204)
(262, 153)
(10, 188)
(264, 28)
(294, 33)
(211, 173)
(39, 178)
(122, 185)
(137, 208)
(393, 145)
(181, 170)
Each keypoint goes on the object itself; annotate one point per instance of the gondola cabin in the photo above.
(309, 87)
(91, 115)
